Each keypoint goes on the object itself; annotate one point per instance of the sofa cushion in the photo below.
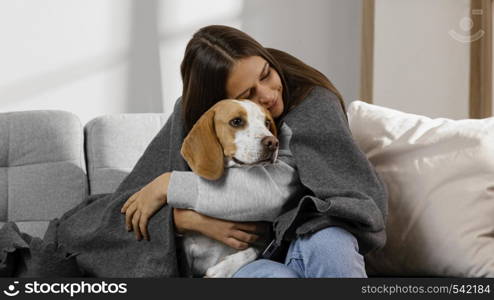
(440, 178)
(114, 143)
(42, 167)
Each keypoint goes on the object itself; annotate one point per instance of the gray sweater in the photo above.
(255, 193)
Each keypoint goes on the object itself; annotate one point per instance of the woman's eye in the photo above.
(267, 75)
(237, 122)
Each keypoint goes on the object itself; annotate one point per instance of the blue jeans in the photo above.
(330, 252)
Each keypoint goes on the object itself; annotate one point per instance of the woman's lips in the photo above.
(273, 104)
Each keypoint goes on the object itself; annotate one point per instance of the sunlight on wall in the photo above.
(64, 54)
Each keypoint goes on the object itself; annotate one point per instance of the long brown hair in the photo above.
(211, 54)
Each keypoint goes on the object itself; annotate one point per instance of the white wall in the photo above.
(178, 21)
(80, 56)
(95, 57)
(418, 67)
(325, 34)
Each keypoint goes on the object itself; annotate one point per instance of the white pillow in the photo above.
(440, 178)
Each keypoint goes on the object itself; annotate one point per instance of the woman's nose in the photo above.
(264, 95)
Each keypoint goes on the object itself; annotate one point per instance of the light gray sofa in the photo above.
(49, 161)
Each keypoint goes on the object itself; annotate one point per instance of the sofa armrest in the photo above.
(42, 167)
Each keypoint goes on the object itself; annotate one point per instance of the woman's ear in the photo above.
(202, 150)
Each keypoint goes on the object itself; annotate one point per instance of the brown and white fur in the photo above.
(232, 133)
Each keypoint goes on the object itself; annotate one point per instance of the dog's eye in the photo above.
(267, 123)
(237, 122)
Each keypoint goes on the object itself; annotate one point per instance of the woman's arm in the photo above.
(238, 235)
(255, 193)
(141, 206)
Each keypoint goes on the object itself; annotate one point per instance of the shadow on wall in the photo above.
(41, 83)
(144, 76)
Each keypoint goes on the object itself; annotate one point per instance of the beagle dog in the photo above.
(232, 133)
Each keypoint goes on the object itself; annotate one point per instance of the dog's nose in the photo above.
(270, 143)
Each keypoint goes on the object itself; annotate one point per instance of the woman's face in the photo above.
(253, 78)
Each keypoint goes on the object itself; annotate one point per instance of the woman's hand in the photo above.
(144, 204)
(238, 235)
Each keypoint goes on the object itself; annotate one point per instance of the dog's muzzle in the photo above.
(270, 145)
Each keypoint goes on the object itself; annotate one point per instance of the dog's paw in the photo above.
(224, 269)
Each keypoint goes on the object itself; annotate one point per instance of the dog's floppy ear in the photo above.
(272, 126)
(202, 150)
(272, 123)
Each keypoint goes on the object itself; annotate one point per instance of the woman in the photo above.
(342, 215)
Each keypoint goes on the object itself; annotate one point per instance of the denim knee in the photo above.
(346, 240)
(265, 268)
(329, 252)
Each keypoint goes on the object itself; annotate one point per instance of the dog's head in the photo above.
(232, 132)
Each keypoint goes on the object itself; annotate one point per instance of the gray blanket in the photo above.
(90, 240)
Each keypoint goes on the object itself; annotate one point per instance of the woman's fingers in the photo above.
(254, 227)
(135, 225)
(137, 221)
(143, 225)
(129, 215)
(236, 244)
(244, 237)
(128, 203)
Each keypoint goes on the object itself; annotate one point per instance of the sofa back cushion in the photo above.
(440, 178)
(114, 143)
(42, 167)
